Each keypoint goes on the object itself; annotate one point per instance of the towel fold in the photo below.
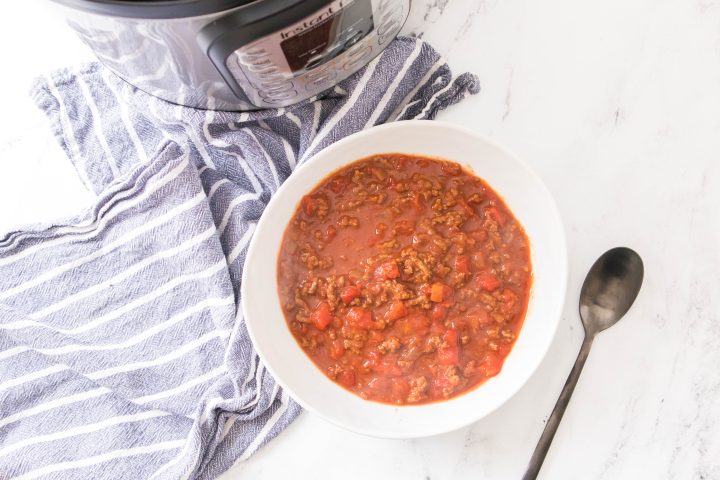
(123, 352)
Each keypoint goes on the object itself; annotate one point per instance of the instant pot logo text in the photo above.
(320, 18)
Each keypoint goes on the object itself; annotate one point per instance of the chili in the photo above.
(404, 278)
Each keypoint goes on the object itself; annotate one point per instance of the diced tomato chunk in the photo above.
(461, 264)
(436, 292)
(451, 336)
(478, 260)
(349, 293)
(330, 232)
(346, 378)
(438, 312)
(508, 295)
(509, 298)
(308, 205)
(397, 310)
(388, 270)
(321, 316)
(360, 317)
(337, 183)
(491, 365)
(337, 349)
(439, 292)
(448, 353)
(487, 281)
(451, 168)
(467, 208)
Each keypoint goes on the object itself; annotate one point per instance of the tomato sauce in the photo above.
(405, 279)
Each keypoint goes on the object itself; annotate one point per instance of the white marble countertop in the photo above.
(616, 105)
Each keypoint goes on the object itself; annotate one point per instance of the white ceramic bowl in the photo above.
(524, 194)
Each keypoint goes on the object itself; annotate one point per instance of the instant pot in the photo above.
(235, 54)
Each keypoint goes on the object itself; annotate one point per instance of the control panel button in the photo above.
(386, 31)
(263, 69)
(319, 72)
(269, 82)
(387, 26)
(271, 76)
(352, 51)
(276, 86)
(276, 97)
(255, 51)
(253, 56)
(318, 83)
(356, 59)
(388, 20)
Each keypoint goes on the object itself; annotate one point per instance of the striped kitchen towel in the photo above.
(123, 352)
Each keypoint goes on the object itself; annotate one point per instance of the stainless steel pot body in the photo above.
(262, 54)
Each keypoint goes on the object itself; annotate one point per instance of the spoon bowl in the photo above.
(610, 288)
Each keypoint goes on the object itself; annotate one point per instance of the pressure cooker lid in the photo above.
(155, 9)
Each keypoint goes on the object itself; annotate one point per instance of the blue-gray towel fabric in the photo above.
(123, 352)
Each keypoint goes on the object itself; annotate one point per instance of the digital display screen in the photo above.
(327, 35)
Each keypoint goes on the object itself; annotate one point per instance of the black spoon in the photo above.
(610, 288)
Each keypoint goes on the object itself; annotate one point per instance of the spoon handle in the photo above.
(551, 426)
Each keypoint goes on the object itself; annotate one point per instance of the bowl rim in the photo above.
(554, 316)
